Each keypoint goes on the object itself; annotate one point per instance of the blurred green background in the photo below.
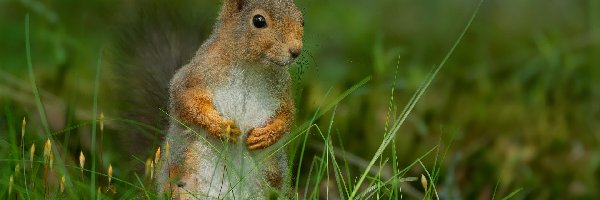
(518, 103)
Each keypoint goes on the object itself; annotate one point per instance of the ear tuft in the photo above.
(234, 5)
(240, 4)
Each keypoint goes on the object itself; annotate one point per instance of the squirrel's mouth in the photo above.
(280, 63)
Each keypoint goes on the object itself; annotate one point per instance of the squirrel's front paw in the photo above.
(230, 130)
(260, 138)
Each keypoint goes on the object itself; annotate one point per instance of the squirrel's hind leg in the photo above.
(276, 173)
(194, 174)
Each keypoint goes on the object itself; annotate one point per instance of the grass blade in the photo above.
(94, 121)
(142, 185)
(512, 194)
(412, 103)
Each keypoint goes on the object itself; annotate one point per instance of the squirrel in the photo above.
(231, 104)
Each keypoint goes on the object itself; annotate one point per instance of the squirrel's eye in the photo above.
(259, 21)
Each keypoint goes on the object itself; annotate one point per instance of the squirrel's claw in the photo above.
(260, 138)
(227, 136)
(229, 139)
(259, 146)
(235, 131)
(230, 131)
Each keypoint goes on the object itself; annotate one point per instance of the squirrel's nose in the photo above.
(295, 52)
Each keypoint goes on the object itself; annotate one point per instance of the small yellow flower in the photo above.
(81, 161)
(157, 156)
(31, 154)
(151, 170)
(147, 171)
(167, 147)
(101, 121)
(62, 184)
(17, 169)
(99, 193)
(10, 184)
(110, 173)
(47, 150)
(424, 181)
(23, 127)
(51, 160)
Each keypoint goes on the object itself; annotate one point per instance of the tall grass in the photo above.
(93, 151)
(411, 104)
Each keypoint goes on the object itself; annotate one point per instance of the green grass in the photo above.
(518, 95)
(321, 163)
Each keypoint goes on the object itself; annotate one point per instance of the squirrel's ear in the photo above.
(234, 6)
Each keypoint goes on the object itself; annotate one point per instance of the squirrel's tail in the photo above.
(157, 38)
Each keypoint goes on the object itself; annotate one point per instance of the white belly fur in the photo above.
(247, 100)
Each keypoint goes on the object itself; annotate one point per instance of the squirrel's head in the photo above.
(266, 32)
